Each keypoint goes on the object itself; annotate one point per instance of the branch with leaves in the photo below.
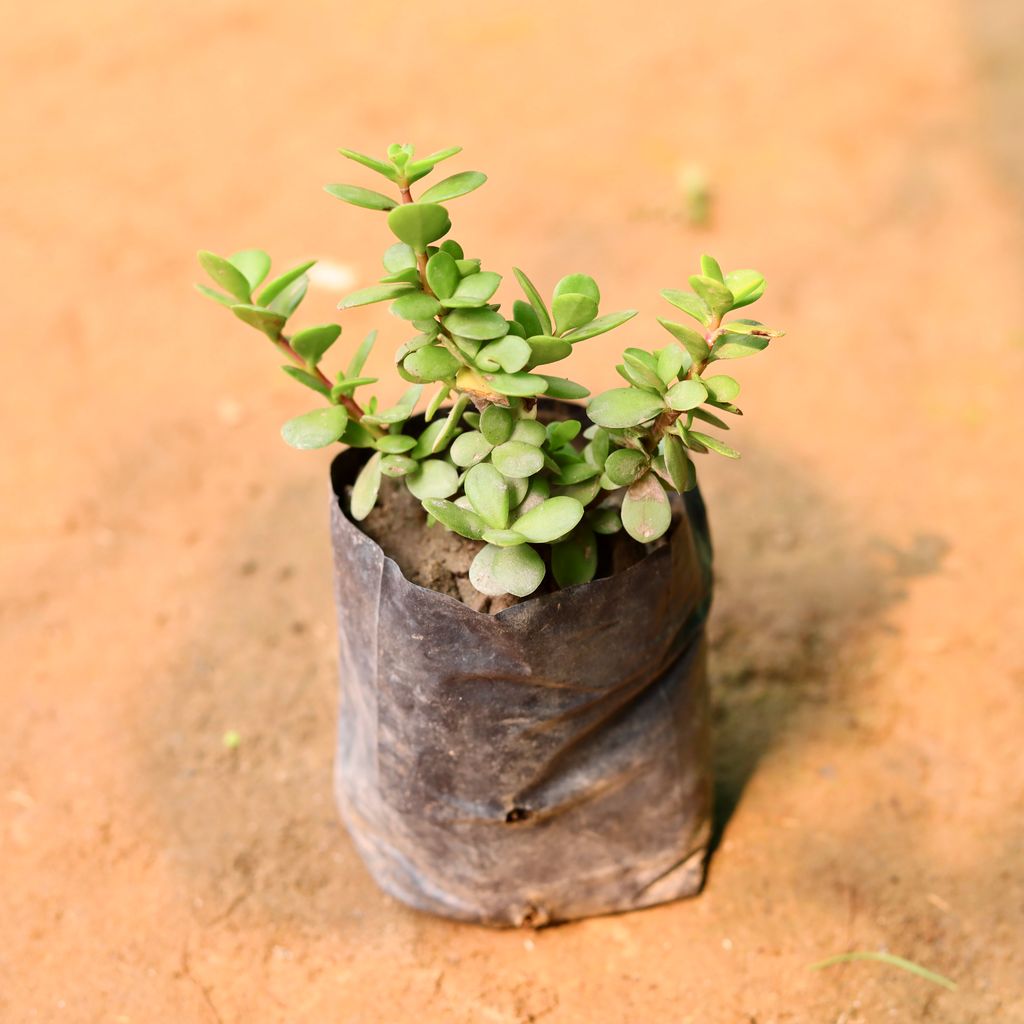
(484, 466)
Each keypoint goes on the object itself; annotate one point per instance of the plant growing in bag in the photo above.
(549, 760)
(486, 466)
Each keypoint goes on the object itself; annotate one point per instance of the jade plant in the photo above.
(484, 459)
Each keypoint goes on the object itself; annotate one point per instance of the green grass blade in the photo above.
(893, 961)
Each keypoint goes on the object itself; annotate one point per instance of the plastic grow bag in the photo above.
(546, 763)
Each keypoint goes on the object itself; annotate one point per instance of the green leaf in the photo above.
(425, 443)
(672, 360)
(510, 354)
(709, 417)
(714, 444)
(546, 349)
(519, 385)
(458, 520)
(416, 170)
(365, 489)
(415, 305)
(432, 362)
(226, 274)
(601, 325)
(488, 493)
(576, 473)
(646, 511)
(264, 320)
(398, 465)
(442, 275)
(624, 465)
(467, 268)
(419, 224)
(624, 407)
(596, 453)
(348, 386)
(452, 425)
(514, 570)
(450, 246)
(254, 265)
(606, 520)
(375, 293)
(313, 342)
(693, 341)
(559, 387)
(715, 295)
(453, 187)
(395, 444)
(643, 373)
(677, 464)
(399, 257)
(738, 346)
(571, 311)
(690, 304)
(359, 358)
(536, 302)
(435, 478)
(747, 286)
(279, 284)
(574, 560)
(578, 284)
(316, 429)
(364, 197)
(709, 267)
(550, 520)
(721, 388)
(474, 290)
(562, 432)
(530, 432)
(891, 960)
(470, 448)
(368, 161)
(403, 408)
(517, 459)
(305, 377)
(524, 315)
(288, 300)
(686, 395)
(476, 324)
(504, 538)
(224, 300)
(496, 423)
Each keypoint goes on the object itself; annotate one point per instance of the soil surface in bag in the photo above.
(544, 763)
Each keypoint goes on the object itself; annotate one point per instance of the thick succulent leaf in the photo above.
(366, 488)
(709, 267)
(415, 305)
(747, 286)
(379, 166)
(624, 465)
(562, 432)
(265, 320)
(399, 257)
(715, 295)
(211, 293)
(530, 432)
(476, 324)
(672, 360)
(536, 302)
(375, 293)
(430, 363)
(452, 425)
(418, 168)
(312, 342)
(601, 325)
(474, 290)
(605, 520)
(517, 459)
(453, 187)
(435, 478)
(713, 444)
(646, 511)
(550, 520)
(519, 385)
(738, 346)
(693, 341)
(419, 224)
(515, 570)
(364, 197)
(677, 464)
(305, 377)
(576, 473)
(709, 417)
(579, 284)
(546, 349)
(489, 494)
(721, 388)
(509, 354)
(642, 371)
(496, 424)
(316, 429)
(279, 284)
(398, 465)
(624, 407)
(360, 355)
(458, 520)
(470, 448)
(450, 246)
(402, 409)
(224, 273)
(287, 301)
(254, 265)
(571, 311)
(425, 442)
(395, 444)
(525, 315)
(442, 275)
(560, 387)
(574, 560)
(690, 304)
(686, 395)
(504, 538)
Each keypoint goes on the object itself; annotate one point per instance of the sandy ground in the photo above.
(165, 560)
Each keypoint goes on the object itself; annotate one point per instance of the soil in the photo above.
(169, 848)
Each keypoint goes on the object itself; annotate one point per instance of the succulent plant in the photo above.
(537, 494)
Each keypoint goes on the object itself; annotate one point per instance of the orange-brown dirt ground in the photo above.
(166, 562)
